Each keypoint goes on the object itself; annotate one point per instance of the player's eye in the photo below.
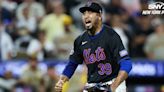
(84, 13)
(87, 12)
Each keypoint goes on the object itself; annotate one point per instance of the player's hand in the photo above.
(113, 87)
(59, 86)
(60, 83)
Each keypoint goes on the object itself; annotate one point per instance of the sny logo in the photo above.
(156, 5)
(154, 8)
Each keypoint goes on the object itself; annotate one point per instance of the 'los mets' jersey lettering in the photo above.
(90, 58)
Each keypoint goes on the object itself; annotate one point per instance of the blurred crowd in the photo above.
(36, 28)
(32, 79)
(46, 29)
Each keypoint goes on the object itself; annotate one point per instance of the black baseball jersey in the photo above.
(101, 53)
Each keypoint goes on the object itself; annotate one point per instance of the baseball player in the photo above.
(101, 49)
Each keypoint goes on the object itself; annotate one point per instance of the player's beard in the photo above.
(89, 26)
(92, 27)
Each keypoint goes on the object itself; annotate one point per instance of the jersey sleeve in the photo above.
(76, 54)
(119, 51)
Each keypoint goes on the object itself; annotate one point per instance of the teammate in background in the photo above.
(102, 51)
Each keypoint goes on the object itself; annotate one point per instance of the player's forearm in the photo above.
(66, 75)
(70, 69)
(123, 75)
(125, 68)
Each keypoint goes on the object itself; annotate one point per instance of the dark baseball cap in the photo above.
(92, 6)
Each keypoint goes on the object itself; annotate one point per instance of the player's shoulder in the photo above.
(81, 37)
(109, 30)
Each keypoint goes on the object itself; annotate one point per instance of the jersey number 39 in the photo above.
(105, 69)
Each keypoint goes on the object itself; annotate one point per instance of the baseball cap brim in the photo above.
(83, 9)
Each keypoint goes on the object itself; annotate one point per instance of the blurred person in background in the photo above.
(50, 79)
(26, 20)
(22, 42)
(117, 24)
(142, 30)
(119, 19)
(132, 6)
(40, 47)
(154, 46)
(70, 6)
(8, 9)
(115, 7)
(7, 14)
(76, 16)
(33, 75)
(18, 1)
(53, 23)
(64, 43)
(115, 4)
(36, 9)
(162, 88)
(7, 82)
(6, 44)
(9, 5)
(11, 29)
(48, 7)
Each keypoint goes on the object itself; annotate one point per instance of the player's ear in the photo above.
(100, 17)
(98, 14)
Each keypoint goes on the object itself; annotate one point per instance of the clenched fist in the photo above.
(60, 83)
(59, 86)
